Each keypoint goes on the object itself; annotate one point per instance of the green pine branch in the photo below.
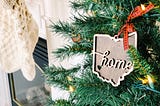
(62, 102)
(88, 26)
(75, 49)
(142, 68)
(140, 64)
(57, 76)
(99, 93)
(62, 28)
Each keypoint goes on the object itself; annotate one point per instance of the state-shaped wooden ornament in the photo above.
(110, 61)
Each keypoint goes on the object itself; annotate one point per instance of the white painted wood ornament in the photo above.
(110, 61)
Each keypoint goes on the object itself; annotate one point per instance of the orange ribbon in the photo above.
(129, 27)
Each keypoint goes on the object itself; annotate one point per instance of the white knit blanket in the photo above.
(18, 37)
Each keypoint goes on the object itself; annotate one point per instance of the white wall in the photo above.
(5, 99)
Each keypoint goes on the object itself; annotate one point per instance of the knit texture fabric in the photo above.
(18, 37)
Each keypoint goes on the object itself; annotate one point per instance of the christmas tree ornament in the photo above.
(110, 61)
(18, 35)
(76, 38)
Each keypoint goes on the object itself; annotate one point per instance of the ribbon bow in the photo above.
(129, 27)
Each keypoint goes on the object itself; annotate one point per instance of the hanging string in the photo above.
(129, 27)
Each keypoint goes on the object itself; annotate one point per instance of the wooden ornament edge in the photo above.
(112, 38)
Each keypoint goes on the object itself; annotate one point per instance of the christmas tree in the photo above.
(141, 87)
